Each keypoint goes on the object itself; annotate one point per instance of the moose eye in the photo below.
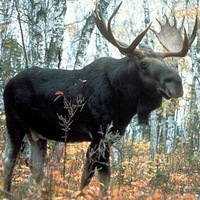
(143, 65)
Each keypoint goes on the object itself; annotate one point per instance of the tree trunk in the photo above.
(85, 37)
(194, 139)
(55, 33)
(154, 134)
(46, 30)
(170, 129)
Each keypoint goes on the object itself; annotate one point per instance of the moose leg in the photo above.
(103, 168)
(11, 151)
(89, 167)
(37, 159)
(97, 157)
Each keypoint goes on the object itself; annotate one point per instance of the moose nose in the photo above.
(174, 89)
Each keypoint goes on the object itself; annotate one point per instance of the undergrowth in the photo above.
(134, 175)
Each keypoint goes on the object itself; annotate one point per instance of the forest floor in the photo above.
(174, 176)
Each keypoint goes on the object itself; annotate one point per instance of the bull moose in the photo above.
(113, 91)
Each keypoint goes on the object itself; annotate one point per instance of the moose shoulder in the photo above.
(112, 91)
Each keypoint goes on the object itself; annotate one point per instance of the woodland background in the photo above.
(159, 161)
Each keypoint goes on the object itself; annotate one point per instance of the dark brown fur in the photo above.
(114, 90)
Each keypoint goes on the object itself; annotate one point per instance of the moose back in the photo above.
(111, 91)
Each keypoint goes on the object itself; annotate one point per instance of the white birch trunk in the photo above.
(55, 33)
(164, 126)
(196, 83)
(170, 133)
(46, 32)
(85, 37)
(195, 67)
(37, 35)
(154, 134)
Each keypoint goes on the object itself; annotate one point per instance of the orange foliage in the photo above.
(136, 177)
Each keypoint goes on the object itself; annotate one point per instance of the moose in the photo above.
(111, 90)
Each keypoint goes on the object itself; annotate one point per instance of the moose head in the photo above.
(154, 74)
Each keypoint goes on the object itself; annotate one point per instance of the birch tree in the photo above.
(85, 36)
(195, 89)
(170, 129)
(154, 135)
(45, 25)
(10, 50)
(196, 94)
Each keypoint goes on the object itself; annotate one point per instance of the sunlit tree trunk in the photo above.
(101, 46)
(196, 85)
(85, 36)
(37, 39)
(195, 106)
(196, 81)
(192, 120)
(146, 16)
(46, 30)
(164, 126)
(154, 134)
(55, 33)
(170, 129)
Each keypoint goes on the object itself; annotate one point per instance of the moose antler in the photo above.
(107, 33)
(171, 38)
